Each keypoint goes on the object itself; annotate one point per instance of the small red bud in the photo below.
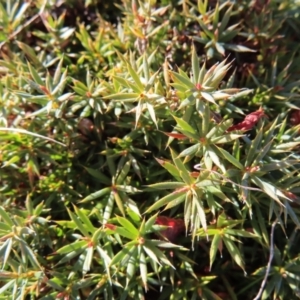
(295, 117)
(249, 122)
(198, 86)
(110, 226)
(176, 226)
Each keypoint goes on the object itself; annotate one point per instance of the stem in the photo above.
(269, 263)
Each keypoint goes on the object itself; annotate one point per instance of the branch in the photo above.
(31, 20)
(269, 263)
(197, 167)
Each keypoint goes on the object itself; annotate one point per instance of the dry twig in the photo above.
(269, 262)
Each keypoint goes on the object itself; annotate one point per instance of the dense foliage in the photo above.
(149, 149)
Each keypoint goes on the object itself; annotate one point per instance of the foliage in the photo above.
(149, 149)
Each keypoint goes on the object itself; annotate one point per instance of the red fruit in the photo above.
(295, 117)
(176, 226)
(85, 126)
(249, 122)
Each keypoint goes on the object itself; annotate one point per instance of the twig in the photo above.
(19, 30)
(31, 20)
(19, 130)
(269, 263)
(197, 167)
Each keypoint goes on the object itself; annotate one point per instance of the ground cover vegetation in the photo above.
(149, 149)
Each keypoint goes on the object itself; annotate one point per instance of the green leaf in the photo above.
(84, 219)
(292, 214)
(128, 84)
(262, 153)
(207, 32)
(220, 48)
(184, 125)
(96, 235)
(5, 217)
(176, 196)
(202, 6)
(124, 255)
(184, 81)
(227, 138)
(255, 145)
(241, 233)
(217, 131)
(146, 67)
(215, 158)
(169, 167)
(123, 172)
(143, 267)
(208, 97)
(149, 224)
(225, 19)
(201, 74)
(109, 207)
(128, 225)
(10, 284)
(230, 158)
(129, 97)
(167, 245)
(183, 173)
(195, 65)
(89, 253)
(190, 151)
(79, 224)
(278, 165)
(30, 255)
(18, 130)
(131, 265)
(5, 251)
(30, 53)
(127, 189)
(166, 185)
(269, 189)
(135, 78)
(151, 81)
(215, 245)
(156, 254)
(239, 48)
(200, 209)
(107, 260)
(152, 114)
(234, 252)
(174, 203)
(96, 195)
(214, 190)
(36, 77)
(98, 175)
(112, 229)
(119, 202)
